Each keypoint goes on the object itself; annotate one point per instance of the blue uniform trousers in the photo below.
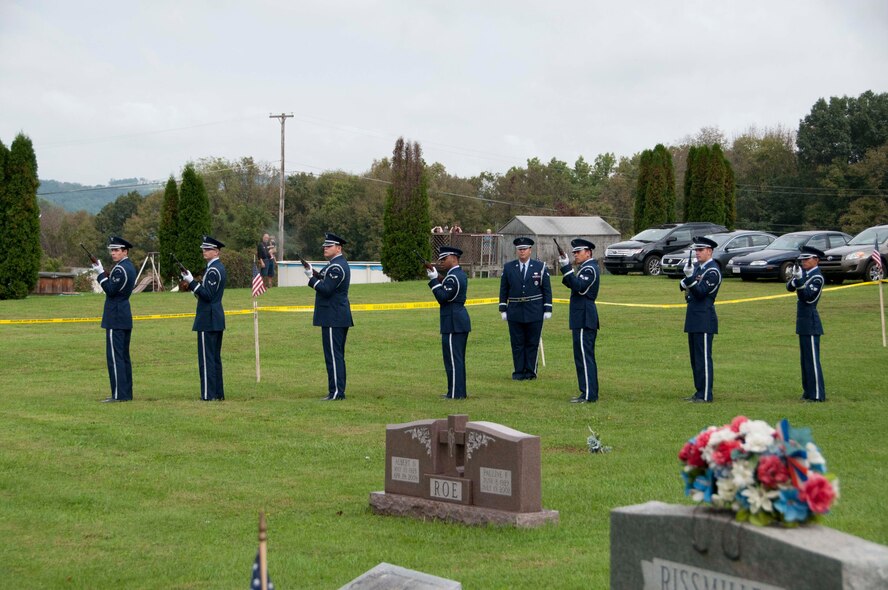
(209, 363)
(525, 339)
(453, 346)
(334, 358)
(584, 359)
(120, 369)
(700, 347)
(812, 374)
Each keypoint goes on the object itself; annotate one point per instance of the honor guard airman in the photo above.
(525, 300)
(583, 319)
(332, 312)
(450, 290)
(807, 282)
(209, 320)
(117, 318)
(700, 285)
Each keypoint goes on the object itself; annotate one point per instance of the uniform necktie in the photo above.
(523, 270)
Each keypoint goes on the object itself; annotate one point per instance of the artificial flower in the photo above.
(759, 498)
(818, 493)
(791, 506)
(772, 471)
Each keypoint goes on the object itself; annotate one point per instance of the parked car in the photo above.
(853, 261)
(645, 250)
(777, 260)
(730, 244)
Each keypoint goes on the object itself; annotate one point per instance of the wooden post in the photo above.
(882, 311)
(263, 551)
(256, 336)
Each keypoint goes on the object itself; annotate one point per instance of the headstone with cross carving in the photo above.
(471, 472)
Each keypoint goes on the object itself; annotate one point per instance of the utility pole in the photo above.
(283, 117)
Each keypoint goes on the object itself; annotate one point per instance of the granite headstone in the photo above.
(657, 546)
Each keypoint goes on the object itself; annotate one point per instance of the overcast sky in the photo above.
(137, 89)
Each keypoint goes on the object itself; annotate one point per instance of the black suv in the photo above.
(644, 251)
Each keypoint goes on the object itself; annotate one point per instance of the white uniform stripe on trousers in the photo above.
(205, 394)
(452, 367)
(707, 394)
(816, 376)
(333, 360)
(585, 368)
(113, 361)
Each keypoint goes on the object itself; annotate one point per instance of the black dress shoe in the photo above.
(326, 399)
(811, 401)
(108, 400)
(581, 400)
(445, 396)
(700, 400)
(690, 398)
(516, 377)
(530, 377)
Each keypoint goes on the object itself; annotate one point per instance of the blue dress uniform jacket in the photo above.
(117, 320)
(455, 327)
(809, 330)
(209, 323)
(701, 323)
(332, 313)
(525, 297)
(583, 322)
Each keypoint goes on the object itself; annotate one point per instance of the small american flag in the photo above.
(877, 257)
(258, 283)
(256, 578)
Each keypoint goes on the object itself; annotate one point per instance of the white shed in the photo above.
(545, 230)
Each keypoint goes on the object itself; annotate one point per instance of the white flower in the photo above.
(742, 473)
(727, 489)
(760, 499)
(759, 435)
(814, 456)
(718, 437)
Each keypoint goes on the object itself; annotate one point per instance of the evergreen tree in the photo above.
(730, 197)
(644, 172)
(19, 219)
(688, 184)
(712, 204)
(168, 230)
(194, 220)
(655, 191)
(406, 215)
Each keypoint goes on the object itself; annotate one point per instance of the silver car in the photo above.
(730, 244)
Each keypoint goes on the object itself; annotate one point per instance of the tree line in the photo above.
(831, 172)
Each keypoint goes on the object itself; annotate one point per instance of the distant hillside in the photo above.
(72, 196)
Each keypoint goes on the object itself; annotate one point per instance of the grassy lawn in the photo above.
(164, 492)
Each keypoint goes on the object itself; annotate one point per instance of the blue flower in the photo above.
(702, 487)
(742, 499)
(791, 506)
(688, 483)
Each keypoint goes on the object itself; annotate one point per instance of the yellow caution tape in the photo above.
(404, 305)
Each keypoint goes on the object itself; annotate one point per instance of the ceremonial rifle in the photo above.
(183, 284)
(561, 253)
(92, 258)
(428, 265)
(305, 264)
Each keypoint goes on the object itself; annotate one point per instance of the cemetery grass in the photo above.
(164, 492)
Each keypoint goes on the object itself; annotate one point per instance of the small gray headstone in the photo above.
(386, 576)
(671, 547)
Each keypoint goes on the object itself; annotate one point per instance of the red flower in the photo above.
(690, 454)
(736, 422)
(703, 439)
(722, 453)
(772, 471)
(818, 493)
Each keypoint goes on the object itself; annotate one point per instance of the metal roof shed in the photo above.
(543, 229)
